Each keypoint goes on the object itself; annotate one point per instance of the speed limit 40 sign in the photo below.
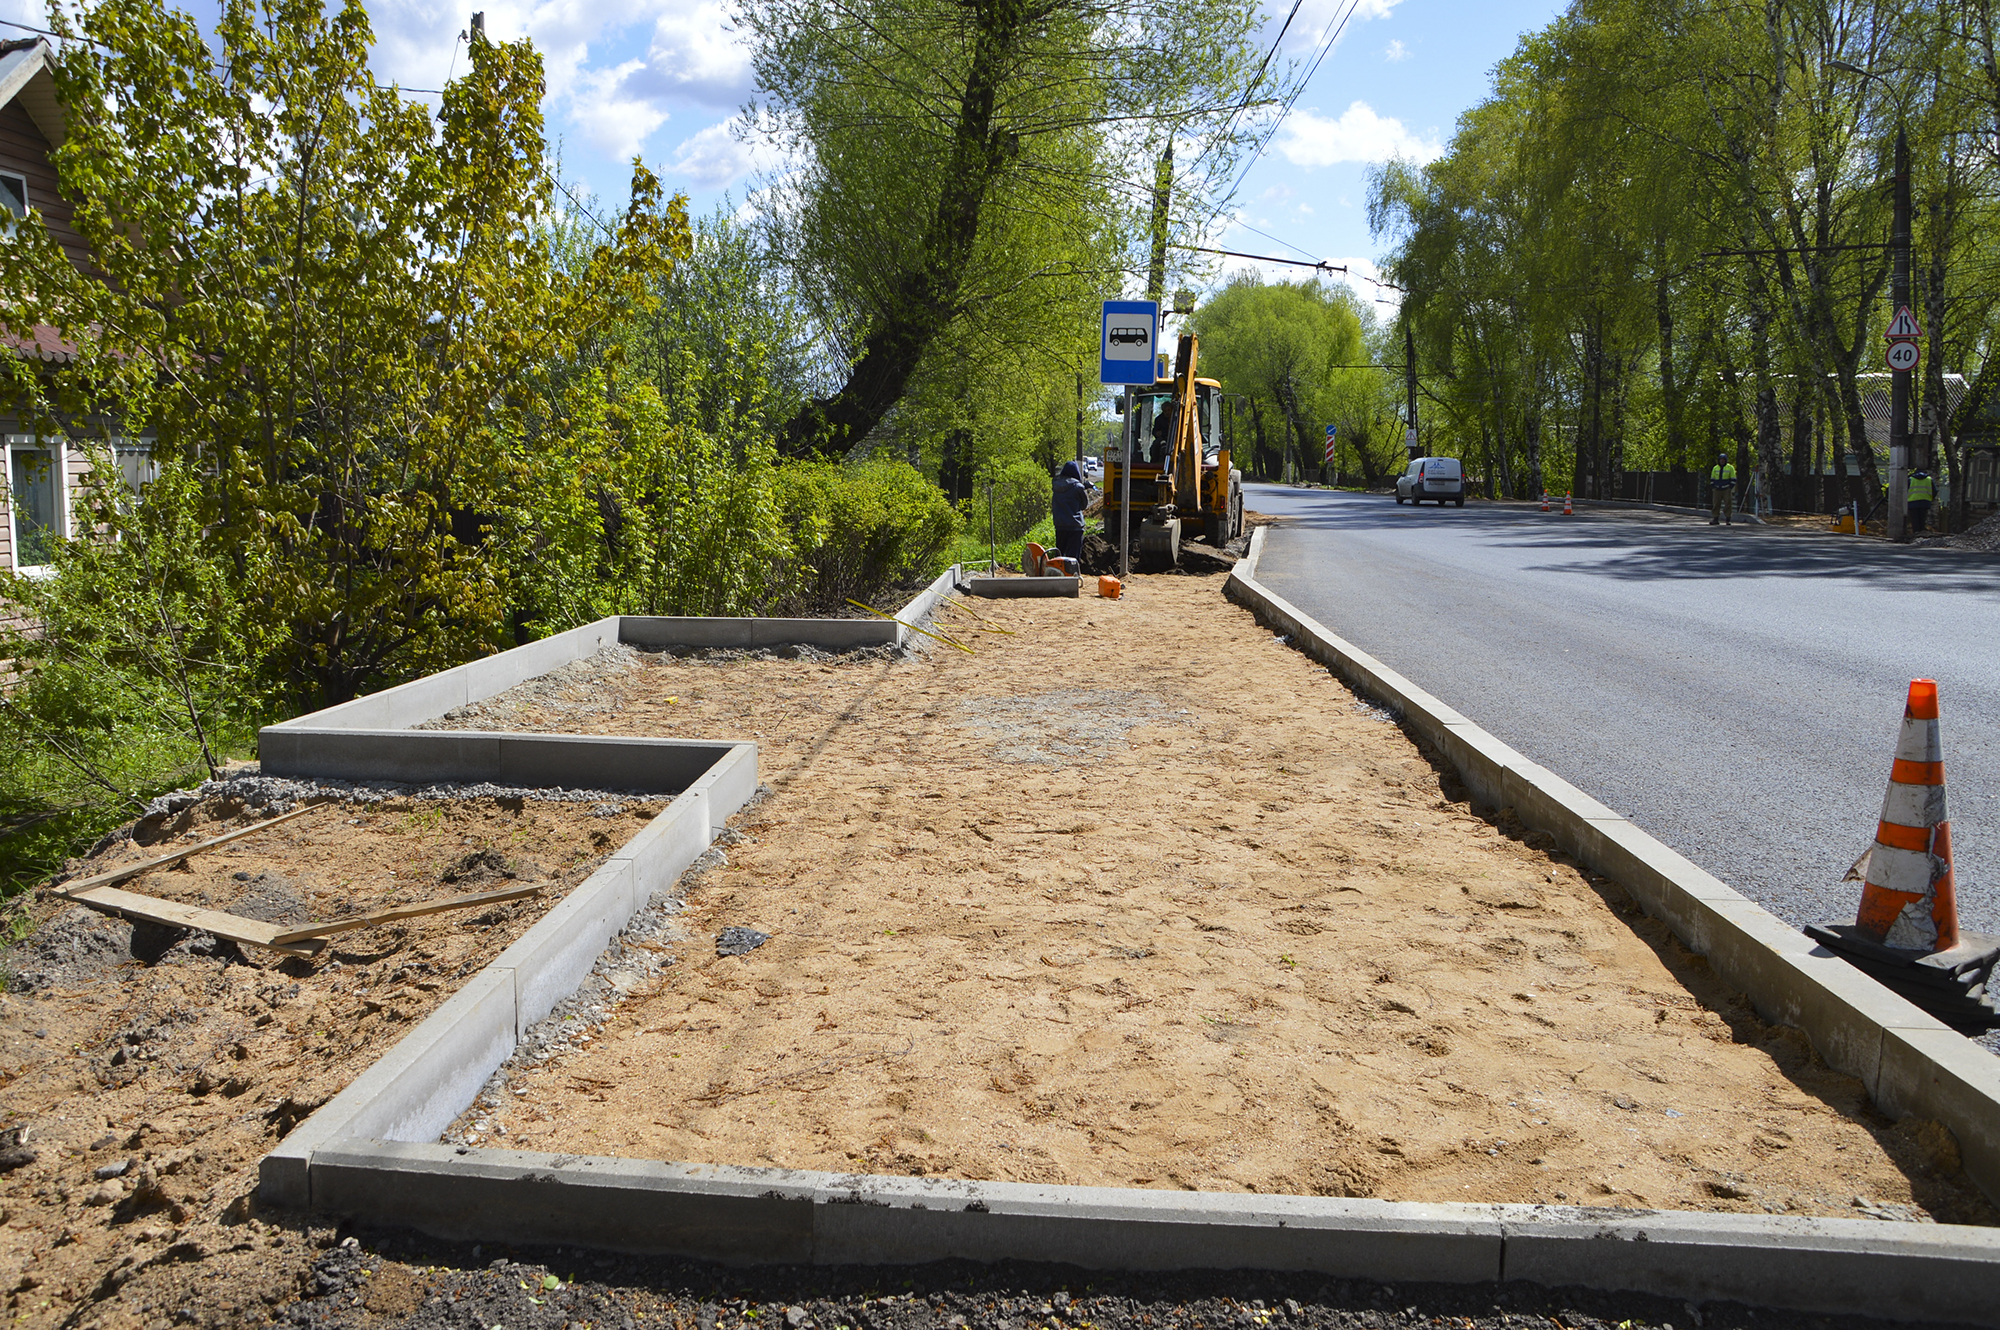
(1903, 356)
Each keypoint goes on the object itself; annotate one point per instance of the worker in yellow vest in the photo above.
(1722, 491)
(1917, 499)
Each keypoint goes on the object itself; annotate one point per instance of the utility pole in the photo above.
(1899, 380)
(1410, 381)
(1079, 420)
(1163, 189)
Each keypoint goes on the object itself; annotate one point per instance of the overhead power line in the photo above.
(1266, 258)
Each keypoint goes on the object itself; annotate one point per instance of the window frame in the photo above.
(59, 449)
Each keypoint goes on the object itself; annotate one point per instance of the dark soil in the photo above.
(397, 1278)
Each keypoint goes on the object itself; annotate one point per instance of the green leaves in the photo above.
(324, 296)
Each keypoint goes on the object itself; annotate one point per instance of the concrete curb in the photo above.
(371, 1152)
(1014, 588)
(1661, 508)
(1910, 1063)
(1922, 1272)
(925, 603)
(429, 1076)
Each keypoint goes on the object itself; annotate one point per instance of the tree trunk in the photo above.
(1670, 395)
(1531, 435)
(925, 298)
(1802, 452)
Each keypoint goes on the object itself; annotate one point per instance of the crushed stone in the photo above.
(582, 688)
(1984, 537)
(739, 941)
(280, 794)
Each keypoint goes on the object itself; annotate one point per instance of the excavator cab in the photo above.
(1177, 436)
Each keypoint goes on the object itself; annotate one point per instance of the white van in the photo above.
(1439, 478)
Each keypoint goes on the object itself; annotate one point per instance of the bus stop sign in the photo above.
(1131, 335)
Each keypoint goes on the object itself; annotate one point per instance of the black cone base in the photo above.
(1950, 985)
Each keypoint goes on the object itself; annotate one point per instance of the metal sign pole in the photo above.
(1899, 380)
(1125, 500)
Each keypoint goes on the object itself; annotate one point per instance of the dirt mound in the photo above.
(1983, 537)
(75, 947)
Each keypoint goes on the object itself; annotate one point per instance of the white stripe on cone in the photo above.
(1903, 870)
(1919, 741)
(1914, 805)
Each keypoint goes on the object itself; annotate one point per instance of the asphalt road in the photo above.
(1734, 690)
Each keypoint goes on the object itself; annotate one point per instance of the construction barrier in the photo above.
(1908, 898)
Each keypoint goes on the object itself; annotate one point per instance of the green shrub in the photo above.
(861, 528)
(1020, 500)
(135, 669)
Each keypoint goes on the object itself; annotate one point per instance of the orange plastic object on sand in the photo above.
(1110, 587)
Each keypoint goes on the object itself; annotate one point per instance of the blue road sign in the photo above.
(1131, 335)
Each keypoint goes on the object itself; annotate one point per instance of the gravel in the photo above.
(1984, 537)
(278, 794)
(424, 1284)
(738, 941)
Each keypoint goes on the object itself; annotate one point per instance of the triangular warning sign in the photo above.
(1903, 327)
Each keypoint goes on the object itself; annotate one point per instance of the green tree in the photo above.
(1289, 346)
(327, 298)
(963, 163)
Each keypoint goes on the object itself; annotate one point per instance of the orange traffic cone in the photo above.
(1908, 899)
(1569, 510)
(1545, 500)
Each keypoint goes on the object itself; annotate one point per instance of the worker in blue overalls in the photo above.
(1068, 497)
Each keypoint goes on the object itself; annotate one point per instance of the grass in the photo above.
(972, 549)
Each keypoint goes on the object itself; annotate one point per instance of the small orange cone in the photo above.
(1545, 500)
(1908, 899)
(1568, 509)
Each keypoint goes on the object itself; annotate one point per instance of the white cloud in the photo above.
(608, 115)
(615, 68)
(1359, 135)
(1317, 20)
(696, 55)
(716, 157)
(1396, 52)
(1279, 191)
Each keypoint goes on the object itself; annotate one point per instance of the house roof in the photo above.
(25, 78)
(44, 344)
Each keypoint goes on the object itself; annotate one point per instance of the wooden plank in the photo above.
(75, 889)
(173, 914)
(395, 912)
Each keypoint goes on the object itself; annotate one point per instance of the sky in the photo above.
(665, 79)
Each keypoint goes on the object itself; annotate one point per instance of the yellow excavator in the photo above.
(1180, 468)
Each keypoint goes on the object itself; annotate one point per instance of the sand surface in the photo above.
(1136, 895)
(143, 1073)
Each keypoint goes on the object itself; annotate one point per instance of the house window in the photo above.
(34, 508)
(135, 463)
(13, 200)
